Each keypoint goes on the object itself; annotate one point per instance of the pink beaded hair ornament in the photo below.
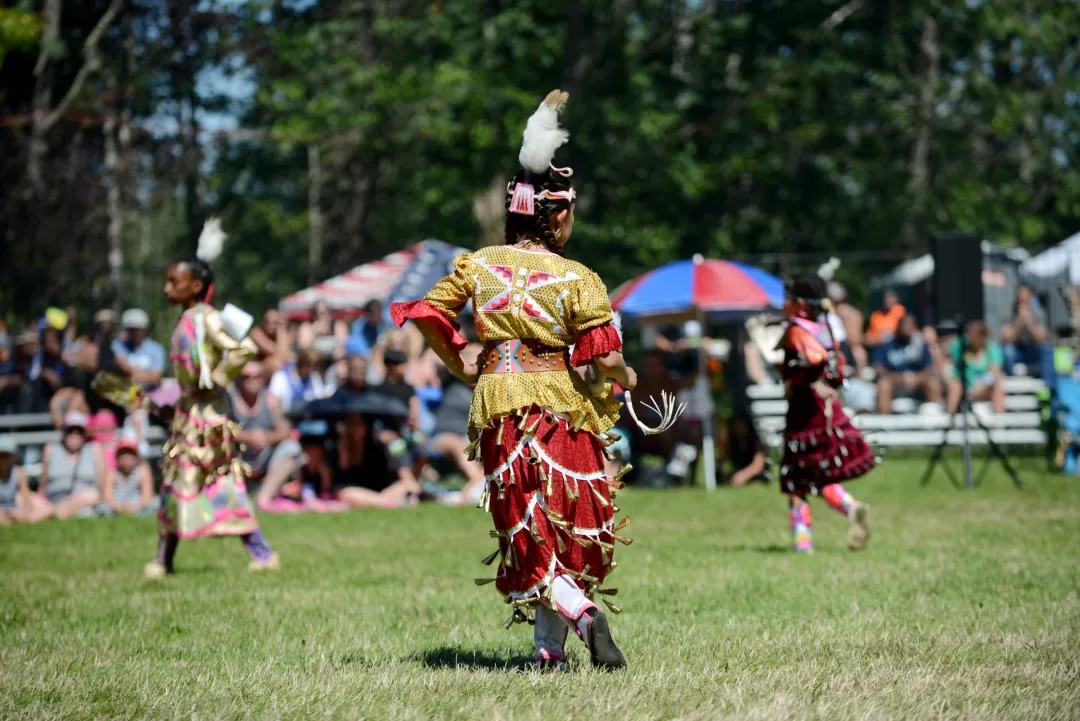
(543, 137)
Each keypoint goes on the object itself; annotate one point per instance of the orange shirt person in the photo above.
(884, 322)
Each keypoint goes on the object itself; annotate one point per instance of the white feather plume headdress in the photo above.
(828, 270)
(211, 241)
(543, 136)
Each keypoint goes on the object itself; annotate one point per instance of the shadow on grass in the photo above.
(473, 660)
(770, 548)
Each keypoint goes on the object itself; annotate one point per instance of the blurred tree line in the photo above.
(722, 127)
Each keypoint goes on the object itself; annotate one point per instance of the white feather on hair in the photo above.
(543, 136)
(211, 241)
(828, 270)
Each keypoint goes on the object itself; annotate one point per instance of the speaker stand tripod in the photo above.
(970, 481)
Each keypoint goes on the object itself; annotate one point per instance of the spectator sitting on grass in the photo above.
(129, 488)
(745, 451)
(268, 446)
(449, 437)
(101, 430)
(356, 386)
(72, 471)
(983, 361)
(905, 362)
(366, 476)
(18, 504)
(316, 474)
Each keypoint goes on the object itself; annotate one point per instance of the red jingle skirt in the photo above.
(551, 503)
(821, 446)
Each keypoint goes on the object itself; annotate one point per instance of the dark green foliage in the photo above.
(726, 128)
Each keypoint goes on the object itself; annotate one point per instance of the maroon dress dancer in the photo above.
(821, 446)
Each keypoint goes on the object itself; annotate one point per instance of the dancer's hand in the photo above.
(631, 379)
(470, 372)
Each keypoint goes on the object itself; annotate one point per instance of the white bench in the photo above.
(32, 431)
(1021, 424)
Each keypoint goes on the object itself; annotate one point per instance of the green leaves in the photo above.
(730, 129)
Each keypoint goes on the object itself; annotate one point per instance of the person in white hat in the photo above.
(143, 358)
(18, 504)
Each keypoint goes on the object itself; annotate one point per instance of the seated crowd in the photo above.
(905, 360)
(360, 455)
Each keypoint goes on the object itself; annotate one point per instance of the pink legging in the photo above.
(834, 494)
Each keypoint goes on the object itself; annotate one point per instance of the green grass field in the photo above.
(965, 606)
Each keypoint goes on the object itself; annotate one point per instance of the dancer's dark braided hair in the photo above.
(200, 270)
(811, 288)
(537, 226)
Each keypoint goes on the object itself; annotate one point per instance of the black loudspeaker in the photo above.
(957, 284)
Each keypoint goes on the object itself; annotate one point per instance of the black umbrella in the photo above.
(369, 403)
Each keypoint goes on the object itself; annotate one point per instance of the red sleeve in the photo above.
(417, 309)
(595, 342)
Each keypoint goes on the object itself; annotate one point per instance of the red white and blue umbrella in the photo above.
(717, 288)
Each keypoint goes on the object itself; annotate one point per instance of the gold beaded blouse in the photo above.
(530, 295)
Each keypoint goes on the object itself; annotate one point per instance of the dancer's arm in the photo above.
(434, 317)
(234, 354)
(434, 333)
(613, 365)
(597, 341)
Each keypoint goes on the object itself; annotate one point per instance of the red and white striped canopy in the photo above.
(350, 291)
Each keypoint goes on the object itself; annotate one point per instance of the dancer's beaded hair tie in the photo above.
(541, 189)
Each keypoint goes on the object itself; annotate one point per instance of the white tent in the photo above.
(1063, 257)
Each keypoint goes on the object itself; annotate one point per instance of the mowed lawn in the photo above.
(965, 606)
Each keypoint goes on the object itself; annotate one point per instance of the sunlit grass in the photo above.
(964, 606)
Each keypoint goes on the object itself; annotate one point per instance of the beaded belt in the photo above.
(522, 356)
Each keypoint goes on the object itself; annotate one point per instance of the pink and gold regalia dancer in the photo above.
(536, 424)
(203, 492)
(822, 449)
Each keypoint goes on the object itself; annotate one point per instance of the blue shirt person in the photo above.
(144, 358)
(905, 362)
(365, 330)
